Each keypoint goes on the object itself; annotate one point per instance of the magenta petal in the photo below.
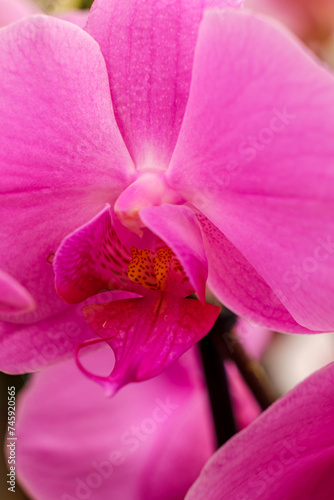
(13, 297)
(62, 157)
(92, 260)
(148, 47)
(177, 226)
(147, 443)
(35, 346)
(147, 334)
(237, 284)
(287, 453)
(255, 155)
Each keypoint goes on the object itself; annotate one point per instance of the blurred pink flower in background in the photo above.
(150, 441)
(255, 340)
(311, 20)
(286, 453)
(13, 10)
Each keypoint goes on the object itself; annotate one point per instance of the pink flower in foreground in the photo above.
(286, 453)
(148, 442)
(132, 161)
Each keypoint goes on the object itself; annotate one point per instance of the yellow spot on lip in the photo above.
(149, 269)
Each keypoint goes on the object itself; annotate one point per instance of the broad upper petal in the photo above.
(149, 48)
(255, 155)
(61, 157)
(287, 452)
(75, 442)
(147, 334)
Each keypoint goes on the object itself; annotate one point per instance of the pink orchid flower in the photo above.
(161, 149)
(150, 441)
(286, 453)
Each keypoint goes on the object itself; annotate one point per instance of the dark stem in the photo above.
(218, 388)
(251, 370)
(219, 345)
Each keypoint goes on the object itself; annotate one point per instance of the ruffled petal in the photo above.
(288, 452)
(146, 334)
(149, 47)
(148, 442)
(13, 297)
(177, 226)
(61, 157)
(255, 155)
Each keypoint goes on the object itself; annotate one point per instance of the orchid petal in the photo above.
(35, 346)
(64, 158)
(237, 284)
(92, 260)
(287, 452)
(147, 334)
(149, 47)
(177, 226)
(148, 442)
(13, 297)
(255, 155)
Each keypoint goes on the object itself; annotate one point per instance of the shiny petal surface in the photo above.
(177, 226)
(255, 155)
(149, 48)
(13, 297)
(288, 452)
(35, 346)
(148, 442)
(147, 334)
(61, 157)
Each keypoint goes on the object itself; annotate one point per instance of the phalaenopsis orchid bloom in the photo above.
(160, 149)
